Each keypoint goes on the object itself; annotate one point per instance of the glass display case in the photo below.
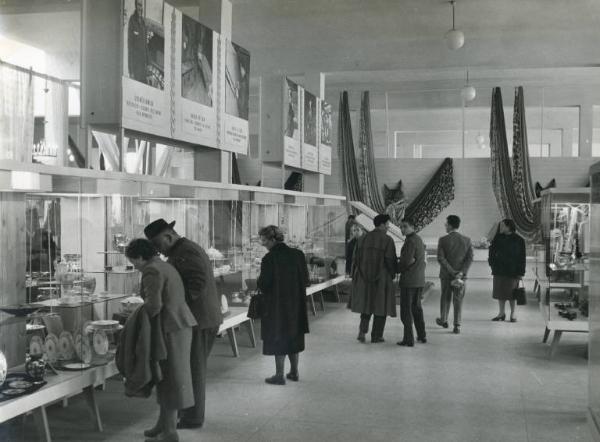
(594, 305)
(562, 262)
(77, 285)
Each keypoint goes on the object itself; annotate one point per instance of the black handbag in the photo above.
(255, 309)
(519, 294)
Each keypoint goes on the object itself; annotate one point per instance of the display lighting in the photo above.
(468, 92)
(455, 38)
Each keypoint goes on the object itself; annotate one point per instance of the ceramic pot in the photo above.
(35, 367)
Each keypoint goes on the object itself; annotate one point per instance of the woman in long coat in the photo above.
(284, 322)
(164, 294)
(373, 271)
(507, 260)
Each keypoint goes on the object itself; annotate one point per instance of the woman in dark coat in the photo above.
(507, 260)
(283, 280)
(355, 234)
(163, 293)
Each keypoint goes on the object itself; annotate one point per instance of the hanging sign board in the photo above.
(291, 120)
(195, 81)
(325, 137)
(146, 77)
(310, 152)
(236, 82)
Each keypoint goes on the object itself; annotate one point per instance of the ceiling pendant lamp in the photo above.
(455, 38)
(468, 92)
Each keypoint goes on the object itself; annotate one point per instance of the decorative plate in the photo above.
(76, 366)
(105, 324)
(77, 344)
(13, 391)
(51, 346)
(100, 342)
(65, 345)
(36, 345)
(86, 353)
(20, 384)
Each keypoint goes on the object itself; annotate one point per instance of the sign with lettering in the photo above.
(146, 69)
(195, 81)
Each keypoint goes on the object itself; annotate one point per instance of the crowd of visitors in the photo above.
(167, 341)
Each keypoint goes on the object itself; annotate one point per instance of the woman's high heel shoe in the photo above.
(499, 318)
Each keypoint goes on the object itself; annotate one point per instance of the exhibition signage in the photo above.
(182, 80)
(325, 136)
(310, 152)
(291, 128)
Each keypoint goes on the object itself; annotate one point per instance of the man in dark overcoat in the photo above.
(374, 268)
(193, 264)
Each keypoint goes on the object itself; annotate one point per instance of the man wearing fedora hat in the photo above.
(193, 264)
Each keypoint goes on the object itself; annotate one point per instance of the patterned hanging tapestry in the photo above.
(350, 181)
(435, 197)
(514, 196)
(523, 183)
(368, 177)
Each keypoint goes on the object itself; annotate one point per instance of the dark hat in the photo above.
(156, 227)
(380, 219)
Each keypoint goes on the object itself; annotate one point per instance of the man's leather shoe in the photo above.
(185, 425)
(406, 344)
(293, 377)
(439, 322)
(361, 337)
(456, 330)
(377, 340)
(275, 380)
(422, 340)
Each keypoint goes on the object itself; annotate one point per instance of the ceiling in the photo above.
(370, 44)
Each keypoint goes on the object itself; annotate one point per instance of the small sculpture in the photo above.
(395, 203)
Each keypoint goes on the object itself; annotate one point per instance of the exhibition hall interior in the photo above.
(299, 220)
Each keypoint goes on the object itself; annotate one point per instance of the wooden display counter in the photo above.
(59, 386)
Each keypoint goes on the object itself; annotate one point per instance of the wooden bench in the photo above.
(238, 316)
(59, 387)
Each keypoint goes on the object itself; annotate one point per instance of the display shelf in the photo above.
(552, 293)
(97, 299)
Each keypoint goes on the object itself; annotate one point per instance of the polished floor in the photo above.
(493, 382)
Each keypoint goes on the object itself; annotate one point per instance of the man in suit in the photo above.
(411, 266)
(193, 264)
(455, 255)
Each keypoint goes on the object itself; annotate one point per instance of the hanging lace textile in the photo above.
(435, 197)
(350, 183)
(512, 204)
(368, 177)
(16, 114)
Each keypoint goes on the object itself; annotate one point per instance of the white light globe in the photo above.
(480, 140)
(468, 93)
(455, 39)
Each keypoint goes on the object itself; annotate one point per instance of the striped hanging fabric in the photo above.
(368, 177)
(350, 182)
(513, 191)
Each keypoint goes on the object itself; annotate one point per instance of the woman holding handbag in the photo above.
(284, 320)
(507, 260)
